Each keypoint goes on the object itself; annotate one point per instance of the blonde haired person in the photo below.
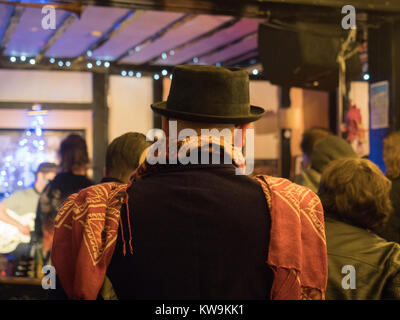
(391, 157)
(356, 201)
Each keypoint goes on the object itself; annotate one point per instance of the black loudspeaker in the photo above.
(304, 55)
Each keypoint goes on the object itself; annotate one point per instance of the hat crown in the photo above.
(210, 90)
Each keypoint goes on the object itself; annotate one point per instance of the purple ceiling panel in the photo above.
(239, 29)
(5, 14)
(231, 51)
(248, 56)
(137, 31)
(29, 36)
(178, 36)
(79, 37)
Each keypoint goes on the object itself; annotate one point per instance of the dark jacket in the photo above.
(376, 263)
(199, 232)
(53, 196)
(391, 230)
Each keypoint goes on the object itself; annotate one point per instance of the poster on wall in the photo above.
(357, 118)
(379, 95)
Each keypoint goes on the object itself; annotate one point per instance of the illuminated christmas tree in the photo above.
(17, 169)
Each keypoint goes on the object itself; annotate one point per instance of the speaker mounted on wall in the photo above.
(304, 55)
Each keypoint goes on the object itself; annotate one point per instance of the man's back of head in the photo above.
(123, 155)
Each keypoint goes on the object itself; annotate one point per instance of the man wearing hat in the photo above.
(197, 230)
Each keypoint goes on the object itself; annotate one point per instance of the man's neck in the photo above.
(79, 172)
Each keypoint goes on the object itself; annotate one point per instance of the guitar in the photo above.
(10, 237)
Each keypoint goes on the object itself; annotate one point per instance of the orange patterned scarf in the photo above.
(87, 230)
(297, 249)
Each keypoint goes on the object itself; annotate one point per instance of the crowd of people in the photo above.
(170, 230)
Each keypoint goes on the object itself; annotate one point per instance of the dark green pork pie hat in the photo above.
(209, 94)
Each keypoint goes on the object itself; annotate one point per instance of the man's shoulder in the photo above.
(102, 190)
(345, 240)
(20, 194)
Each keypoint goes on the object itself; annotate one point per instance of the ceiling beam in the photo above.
(114, 68)
(225, 46)
(46, 105)
(11, 26)
(208, 34)
(170, 27)
(60, 30)
(117, 27)
(256, 8)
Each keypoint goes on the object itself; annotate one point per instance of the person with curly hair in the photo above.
(356, 199)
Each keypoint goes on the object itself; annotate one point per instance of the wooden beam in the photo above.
(157, 97)
(208, 34)
(11, 26)
(117, 27)
(114, 69)
(100, 124)
(323, 9)
(46, 105)
(170, 27)
(60, 30)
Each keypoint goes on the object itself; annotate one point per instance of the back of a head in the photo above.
(311, 137)
(123, 154)
(73, 153)
(46, 167)
(391, 154)
(329, 149)
(357, 192)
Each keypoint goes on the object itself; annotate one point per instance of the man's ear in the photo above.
(165, 125)
(39, 176)
(243, 127)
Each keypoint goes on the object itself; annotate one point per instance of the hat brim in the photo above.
(161, 108)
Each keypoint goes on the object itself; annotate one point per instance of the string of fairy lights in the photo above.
(91, 65)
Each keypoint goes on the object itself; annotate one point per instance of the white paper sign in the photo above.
(379, 95)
